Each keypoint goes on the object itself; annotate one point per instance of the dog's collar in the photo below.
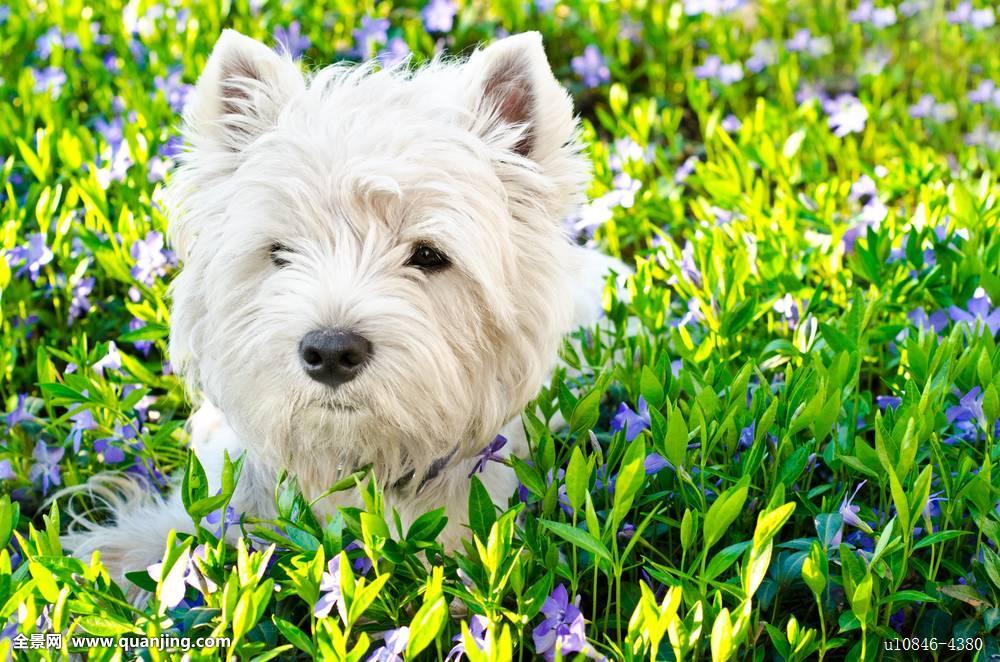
(433, 472)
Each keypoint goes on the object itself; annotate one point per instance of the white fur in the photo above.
(350, 168)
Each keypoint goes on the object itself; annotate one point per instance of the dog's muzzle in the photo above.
(334, 356)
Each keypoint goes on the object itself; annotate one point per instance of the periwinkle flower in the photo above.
(978, 311)
(217, 524)
(884, 402)
(563, 627)
(48, 41)
(846, 115)
(591, 67)
(186, 571)
(107, 452)
(849, 512)
(394, 52)
(151, 259)
(804, 42)
(174, 89)
(969, 408)
(936, 321)
(715, 69)
(763, 54)
(6, 470)
(330, 593)
(113, 132)
(32, 257)
(788, 308)
(711, 7)
(966, 14)
(51, 80)
(731, 124)
(291, 40)
(439, 15)
(110, 361)
(370, 35)
(985, 92)
(20, 413)
(45, 471)
(878, 17)
(477, 629)
(631, 421)
(489, 454)
(79, 304)
(82, 421)
(393, 645)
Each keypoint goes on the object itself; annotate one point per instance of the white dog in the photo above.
(374, 273)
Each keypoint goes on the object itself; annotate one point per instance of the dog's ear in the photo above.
(244, 86)
(512, 86)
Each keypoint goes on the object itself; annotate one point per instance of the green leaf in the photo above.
(577, 479)
(578, 538)
(482, 512)
(586, 411)
(426, 625)
(630, 480)
(724, 512)
(677, 438)
(651, 388)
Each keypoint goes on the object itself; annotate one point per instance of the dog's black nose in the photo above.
(332, 356)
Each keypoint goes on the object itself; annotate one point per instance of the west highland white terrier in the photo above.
(374, 273)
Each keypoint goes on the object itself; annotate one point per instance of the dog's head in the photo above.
(373, 260)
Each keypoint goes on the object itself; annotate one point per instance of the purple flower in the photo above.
(714, 69)
(113, 166)
(489, 454)
(932, 509)
(112, 132)
(6, 470)
(111, 361)
(20, 412)
(291, 40)
(985, 92)
(763, 54)
(803, 42)
(32, 256)
(591, 67)
(846, 115)
(563, 627)
(107, 452)
(82, 420)
(151, 260)
(711, 7)
(685, 169)
(49, 40)
(731, 123)
(394, 52)
(888, 402)
(439, 15)
(330, 594)
(217, 524)
(80, 305)
(633, 423)
(788, 308)
(175, 90)
(969, 408)
(371, 34)
(654, 464)
(477, 628)
(45, 471)
(978, 311)
(49, 79)
(866, 12)
(937, 322)
(185, 572)
(965, 14)
(394, 643)
(747, 435)
(849, 512)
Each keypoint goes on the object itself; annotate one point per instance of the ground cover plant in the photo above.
(781, 444)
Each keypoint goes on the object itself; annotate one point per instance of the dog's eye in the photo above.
(428, 258)
(278, 251)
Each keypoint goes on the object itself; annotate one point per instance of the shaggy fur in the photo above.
(296, 208)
